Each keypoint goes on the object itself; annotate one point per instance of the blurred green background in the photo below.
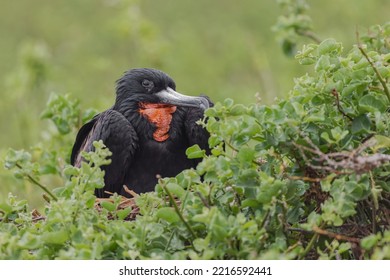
(222, 48)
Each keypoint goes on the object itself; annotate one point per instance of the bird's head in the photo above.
(144, 85)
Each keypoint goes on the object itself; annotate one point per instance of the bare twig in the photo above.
(306, 179)
(123, 204)
(203, 199)
(304, 231)
(130, 192)
(346, 162)
(335, 235)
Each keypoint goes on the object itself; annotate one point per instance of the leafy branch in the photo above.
(380, 78)
(37, 183)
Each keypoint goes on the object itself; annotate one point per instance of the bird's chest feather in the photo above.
(155, 159)
(160, 115)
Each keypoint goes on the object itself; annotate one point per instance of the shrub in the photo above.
(305, 178)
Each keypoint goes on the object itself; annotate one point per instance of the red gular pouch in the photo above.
(160, 115)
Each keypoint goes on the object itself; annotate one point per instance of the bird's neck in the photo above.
(160, 115)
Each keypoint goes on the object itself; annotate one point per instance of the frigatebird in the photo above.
(148, 130)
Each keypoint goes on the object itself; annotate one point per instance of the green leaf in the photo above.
(71, 170)
(246, 155)
(316, 116)
(211, 112)
(269, 188)
(250, 202)
(6, 207)
(228, 102)
(176, 190)
(201, 244)
(29, 241)
(370, 241)
(338, 134)
(214, 140)
(361, 125)
(248, 178)
(108, 206)
(15, 157)
(322, 64)
(195, 152)
(307, 61)
(237, 110)
(326, 137)
(381, 142)
(329, 46)
(56, 237)
(371, 103)
(122, 214)
(168, 214)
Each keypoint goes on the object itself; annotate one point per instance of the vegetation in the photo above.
(304, 178)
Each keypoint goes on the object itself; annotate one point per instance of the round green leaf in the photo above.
(361, 124)
(195, 152)
(175, 189)
(371, 103)
(168, 214)
(56, 237)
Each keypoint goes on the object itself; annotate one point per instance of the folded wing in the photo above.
(120, 138)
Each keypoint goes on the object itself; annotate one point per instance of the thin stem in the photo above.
(309, 34)
(32, 180)
(337, 236)
(231, 146)
(380, 78)
(265, 219)
(375, 203)
(309, 246)
(172, 200)
(337, 96)
(169, 241)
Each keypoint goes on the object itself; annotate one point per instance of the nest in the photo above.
(125, 203)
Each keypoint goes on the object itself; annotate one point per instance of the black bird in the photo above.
(148, 130)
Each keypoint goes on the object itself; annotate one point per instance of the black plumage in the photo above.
(148, 130)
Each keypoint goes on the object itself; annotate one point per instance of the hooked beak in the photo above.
(169, 96)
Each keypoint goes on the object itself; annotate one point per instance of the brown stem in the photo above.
(337, 236)
(380, 78)
(309, 34)
(337, 95)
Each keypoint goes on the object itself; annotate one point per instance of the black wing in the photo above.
(81, 137)
(196, 134)
(119, 136)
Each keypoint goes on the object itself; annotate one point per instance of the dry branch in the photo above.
(346, 162)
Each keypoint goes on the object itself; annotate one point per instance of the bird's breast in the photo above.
(160, 115)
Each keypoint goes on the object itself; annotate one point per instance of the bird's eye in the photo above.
(147, 84)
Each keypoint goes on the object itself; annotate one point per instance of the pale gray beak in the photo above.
(169, 96)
